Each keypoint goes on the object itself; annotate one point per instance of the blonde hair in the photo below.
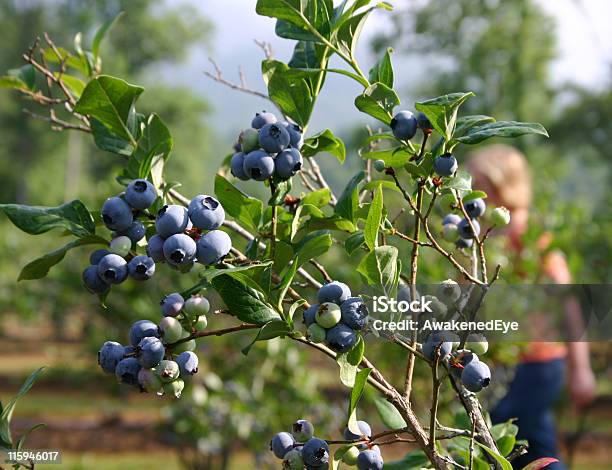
(506, 170)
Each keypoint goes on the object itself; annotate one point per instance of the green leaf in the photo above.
(382, 72)
(375, 215)
(354, 241)
(506, 129)
(324, 141)
(395, 157)
(243, 208)
(70, 60)
(372, 185)
(74, 84)
(378, 101)
(505, 465)
(318, 198)
(285, 283)
(101, 33)
(108, 141)
(312, 245)
(349, 199)
(505, 444)
(25, 74)
(72, 216)
(40, 267)
(389, 414)
(272, 329)
(442, 111)
(473, 195)
(413, 460)
(25, 435)
(465, 123)
(462, 181)
(380, 268)
(357, 392)
(281, 190)
(350, 25)
(210, 273)
(504, 429)
(243, 301)
(110, 100)
(7, 412)
(288, 10)
(9, 82)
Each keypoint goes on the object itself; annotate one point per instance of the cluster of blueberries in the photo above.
(336, 318)
(300, 450)
(183, 236)
(268, 148)
(460, 230)
(159, 357)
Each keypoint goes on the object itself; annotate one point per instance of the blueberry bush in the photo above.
(260, 255)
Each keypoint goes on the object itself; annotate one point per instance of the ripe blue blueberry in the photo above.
(437, 341)
(170, 330)
(281, 443)
(213, 246)
(149, 382)
(334, 291)
(120, 245)
(445, 165)
(449, 291)
(302, 430)
(150, 351)
(341, 338)
(465, 230)
(116, 214)
(258, 165)
(112, 269)
(315, 452)
(249, 140)
(451, 219)
(475, 207)
(141, 268)
(92, 280)
(460, 359)
(476, 376)
(188, 363)
(309, 314)
(363, 426)
(404, 125)
(423, 122)
(287, 163)
(127, 371)
(167, 371)
(135, 232)
(261, 119)
(97, 255)
(155, 248)
(206, 212)
(237, 166)
(109, 356)
(464, 243)
(172, 304)
(179, 249)
(140, 194)
(142, 329)
(293, 460)
(296, 137)
(354, 313)
(274, 138)
(370, 460)
(170, 220)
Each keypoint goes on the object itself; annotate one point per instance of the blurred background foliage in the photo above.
(501, 50)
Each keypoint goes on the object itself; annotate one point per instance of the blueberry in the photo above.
(350, 456)
(293, 460)
(142, 329)
(261, 119)
(249, 140)
(112, 269)
(450, 232)
(288, 163)
(281, 443)
(213, 246)
(188, 363)
(174, 388)
(120, 245)
(170, 220)
(437, 340)
(445, 165)
(475, 207)
(97, 255)
(149, 382)
(141, 268)
(309, 314)
(150, 351)
(449, 290)
(172, 304)
(404, 125)
(109, 356)
(179, 249)
(363, 426)
(127, 371)
(170, 330)
(499, 216)
(354, 313)
(463, 243)
(451, 219)
(92, 280)
(201, 323)
(334, 291)
(370, 460)
(437, 307)
(465, 230)
(315, 452)
(476, 376)
(196, 305)
(116, 214)
(477, 343)
(341, 338)
(296, 136)
(140, 194)
(423, 122)
(167, 371)
(155, 248)
(237, 166)
(316, 333)
(379, 165)
(206, 212)
(302, 430)
(258, 165)
(460, 359)
(135, 232)
(328, 314)
(274, 138)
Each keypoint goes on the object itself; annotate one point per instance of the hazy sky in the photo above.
(585, 46)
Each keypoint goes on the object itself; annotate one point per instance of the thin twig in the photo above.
(218, 77)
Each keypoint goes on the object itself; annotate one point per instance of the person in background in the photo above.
(503, 173)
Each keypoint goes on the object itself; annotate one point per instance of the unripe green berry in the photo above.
(350, 456)
(450, 232)
(328, 315)
(293, 460)
(249, 140)
(174, 388)
(500, 216)
(196, 305)
(449, 291)
(477, 343)
(167, 371)
(379, 165)
(316, 333)
(201, 323)
(171, 330)
(149, 381)
(120, 245)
